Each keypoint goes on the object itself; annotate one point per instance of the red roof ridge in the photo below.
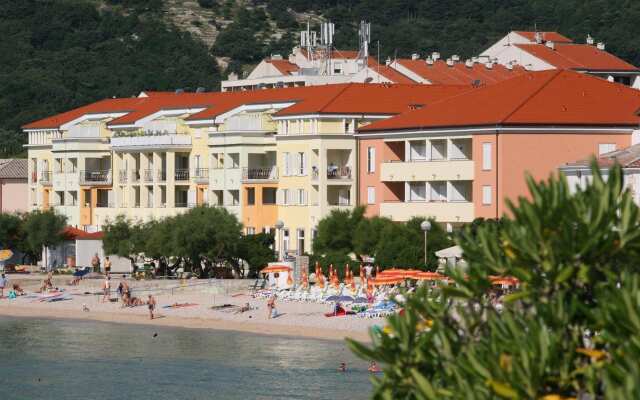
(532, 95)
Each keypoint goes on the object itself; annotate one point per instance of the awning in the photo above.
(275, 268)
(450, 252)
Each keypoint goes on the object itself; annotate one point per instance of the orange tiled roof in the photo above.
(546, 36)
(440, 73)
(554, 97)
(392, 74)
(284, 66)
(577, 56)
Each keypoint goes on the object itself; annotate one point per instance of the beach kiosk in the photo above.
(279, 275)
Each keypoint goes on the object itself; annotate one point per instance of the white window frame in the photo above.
(487, 195)
(487, 156)
(371, 159)
(371, 195)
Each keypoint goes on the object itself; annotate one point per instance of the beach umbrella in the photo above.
(5, 254)
(504, 280)
(386, 280)
(275, 268)
(430, 276)
(339, 298)
(360, 300)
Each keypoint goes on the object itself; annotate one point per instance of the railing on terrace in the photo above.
(45, 177)
(201, 174)
(335, 172)
(148, 175)
(182, 175)
(262, 173)
(89, 177)
(339, 203)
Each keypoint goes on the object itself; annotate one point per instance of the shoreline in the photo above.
(259, 328)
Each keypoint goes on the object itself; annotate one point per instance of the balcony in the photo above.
(135, 176)
(442, 211)
(260, 174)
(181, 175)
(162, 176)
(446, 170)
(201, 175)
(95, 177)
(151, 141)
(45, 178)
(335, 172)
(147, 175)
(122, 176)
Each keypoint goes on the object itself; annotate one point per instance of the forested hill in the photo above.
(58, 54)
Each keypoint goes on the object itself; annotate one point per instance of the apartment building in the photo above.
(539, 51)
(460, 158)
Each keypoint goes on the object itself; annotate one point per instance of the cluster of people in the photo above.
(15, 290)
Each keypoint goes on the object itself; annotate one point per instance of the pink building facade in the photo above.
(13, 186)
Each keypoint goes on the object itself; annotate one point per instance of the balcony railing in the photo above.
(335, 172)
(162, 176)
(148, 175)
(182, 175)
(135, 176)
(262, 174)
(201, 174)
(122, 176)
(95, 177)
(45, 177)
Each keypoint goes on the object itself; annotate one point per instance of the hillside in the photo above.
(58, 54)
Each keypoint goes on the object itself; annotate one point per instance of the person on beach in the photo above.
(106, 287)
(19, 291)
(373, 367)
(95, 263)
(107, 265)
(271, 305)
(3, 282)
(47, 283)
(342, 367)
(152, 305)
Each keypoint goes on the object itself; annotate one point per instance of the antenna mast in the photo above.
(364, 36)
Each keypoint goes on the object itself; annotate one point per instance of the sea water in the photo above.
(62, 359)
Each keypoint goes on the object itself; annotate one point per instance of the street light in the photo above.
(426, 227)
(279, 225)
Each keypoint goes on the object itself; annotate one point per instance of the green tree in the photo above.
(571, 329)
(368, 234)
(10, 230)
(257, 251)
(336, 231)
(43, 229)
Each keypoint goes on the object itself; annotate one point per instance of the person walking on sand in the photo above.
(107, 265)
(3, 283)
(106, 288)
(152, 305)
(95, 263)
(271, 305)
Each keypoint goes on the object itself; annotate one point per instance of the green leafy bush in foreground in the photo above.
(571, 330)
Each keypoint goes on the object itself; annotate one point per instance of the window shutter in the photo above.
(110, 198)
(279, 200)
(304, 163)
(285, 164)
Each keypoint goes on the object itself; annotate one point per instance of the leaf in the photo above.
(424, 386)
(503, 389)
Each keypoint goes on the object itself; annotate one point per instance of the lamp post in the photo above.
(426, 227)
(279, 225)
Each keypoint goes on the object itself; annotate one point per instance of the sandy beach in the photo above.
(297, 319)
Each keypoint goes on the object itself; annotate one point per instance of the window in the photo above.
(486, 195)
(438, 150)
(300, 241)
(235, 197)
(251, 196)
(302, 197)
(418, 150)
(371, 195)
(269, 195)
(301, 161)
(606, 148)
(347, 126)
(438, 191)
(371, 160)
(285, 164)
(285, 197)
(417, 191)
(251, 230)
(285, 241)
(235, 160)
(460, 191)
(486, 157)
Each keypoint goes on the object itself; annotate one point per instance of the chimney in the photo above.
(276, 57)
(455, 58)
(435, 55)
(450, 62)
(600, 46)
(489, 65)
(550, 45)
(538, 37)
(468, 63)
(475, 59)
(292, 58)
(387, 61)
(415, 56)
(429, 61)
(590, 40)
(509, 66)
